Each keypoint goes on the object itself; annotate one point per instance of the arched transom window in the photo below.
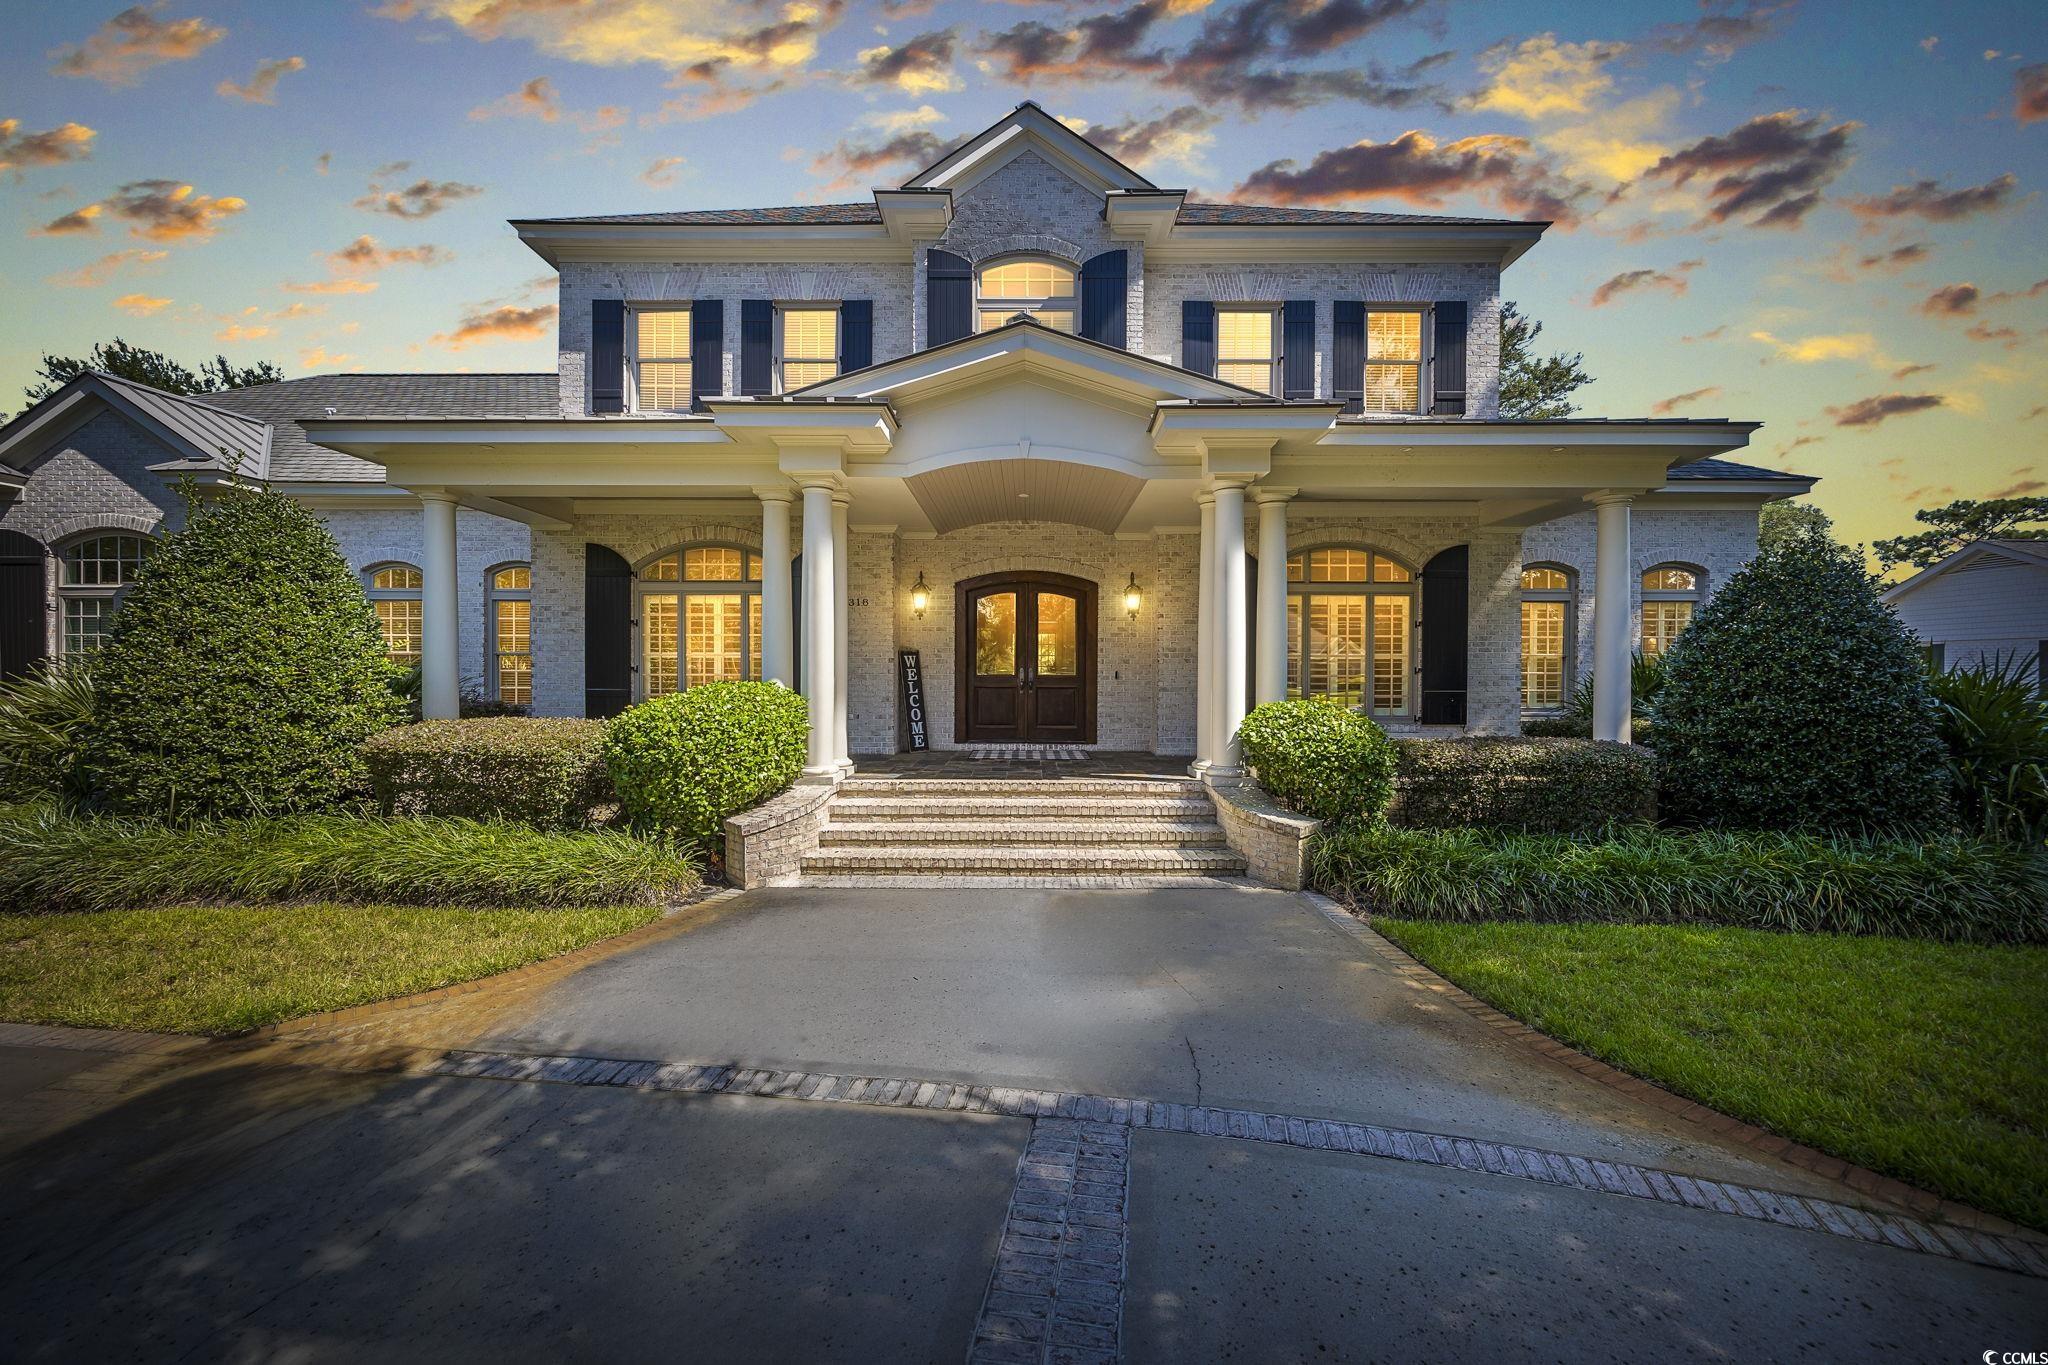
(510, 618)
(1546, 635)
(1670, 593)
(1350, 628)
(1036, 285)
(700, 618)
(93, 574)
(394, 592)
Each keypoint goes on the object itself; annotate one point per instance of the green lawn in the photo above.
(1927, 1061)
(221, 970)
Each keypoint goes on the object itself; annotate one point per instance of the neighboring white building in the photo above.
(1986, 601)
(971, 417)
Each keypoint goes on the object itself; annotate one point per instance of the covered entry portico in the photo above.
(1032, 458)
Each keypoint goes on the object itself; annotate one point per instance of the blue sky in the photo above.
(1823, 216)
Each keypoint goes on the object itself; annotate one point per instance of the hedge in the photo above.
(1944, 888)
(684, 762)
(50, 863)
(537, 772)
(1557, 786)
(1321, 758)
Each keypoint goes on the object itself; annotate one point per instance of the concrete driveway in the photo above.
(249, 1210)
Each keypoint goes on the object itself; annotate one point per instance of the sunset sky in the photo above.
(1820, 214)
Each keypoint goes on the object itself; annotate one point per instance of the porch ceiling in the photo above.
(1025, 490)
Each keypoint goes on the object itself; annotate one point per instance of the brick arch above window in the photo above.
(980, 254)
(101, 523)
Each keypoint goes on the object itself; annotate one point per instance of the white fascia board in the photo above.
(1695, 440)
(57, 418)
(742, 242)
(1028, 128)
(1276, 242)
(858, 426)
(12, 480)
(911, 215)
(1032, 344)
(1147, 215)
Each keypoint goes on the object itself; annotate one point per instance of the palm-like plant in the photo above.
(42, 719)
(1645, 681)
(1994, 719)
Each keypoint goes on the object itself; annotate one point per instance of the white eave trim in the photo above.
(1702, 438)
(742, 242)
(1498, 245)
(341, 433)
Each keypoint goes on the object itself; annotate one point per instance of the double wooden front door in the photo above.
(1025, 650)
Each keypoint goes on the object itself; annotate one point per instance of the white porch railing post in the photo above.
(440, 666)
(777, 642)
(1612, 691)
(820, 629)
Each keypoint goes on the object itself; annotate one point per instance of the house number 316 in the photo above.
(856, 601)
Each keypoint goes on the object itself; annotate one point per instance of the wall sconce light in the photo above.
(920, 596)
(1133, 598)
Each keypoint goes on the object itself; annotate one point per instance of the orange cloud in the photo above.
(169, 211)
(98, 272)
(141, 305)
(133, 41)
(364, 255)
(507, 322)
(261, 87)
(51, 147)
(535, 99)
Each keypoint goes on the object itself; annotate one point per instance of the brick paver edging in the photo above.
(1858, 1178)
(1471, 1155)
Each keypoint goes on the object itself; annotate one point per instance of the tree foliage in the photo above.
(1788, 520)
(244, 671)
(1796, 700)
(1965, 522)
(1533, 385)
(149, 367)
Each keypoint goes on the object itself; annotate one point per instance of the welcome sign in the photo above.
(910, 677)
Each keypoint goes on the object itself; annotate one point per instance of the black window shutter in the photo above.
(607, 632)
(1443, 637)
(22, 643)
(607, 355)
(856, 334)
(1347, 354)
(707, 350)
(757, 346)
(1104, 281)
(1450, 358)
(1298, 348)
(948, 297)
(1198, 336)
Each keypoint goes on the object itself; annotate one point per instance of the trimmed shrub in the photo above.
(536, 772)
(1942, 888)
(1320, 758)
(1994, 720)
(686, 761)
(245, 669)
(1559, 786)
(50, 862)
(1796, 700)
(43, 719)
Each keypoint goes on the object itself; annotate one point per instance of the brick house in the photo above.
(1116, 464)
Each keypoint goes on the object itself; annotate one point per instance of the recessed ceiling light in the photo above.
(1023, 495)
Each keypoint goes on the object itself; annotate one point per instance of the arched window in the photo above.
(700, 618)
(1546, 635)
(1350, 620)
(1670, 592)
(394, 591)
(509, 595)
(93, 575)
(1037, 285)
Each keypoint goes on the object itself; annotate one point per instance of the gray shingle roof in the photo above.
(1193, 214)
(1266, 215)
(789, 215)
(295, 459)
(1729, 469)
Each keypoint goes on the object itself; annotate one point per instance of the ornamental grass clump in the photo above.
(1321, 758)
(1796, 700)
(51, 863)
(244, 671)
(684, 762)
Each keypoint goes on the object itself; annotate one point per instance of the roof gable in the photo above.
(1027, 128)
(202, 437)
(1979, 554)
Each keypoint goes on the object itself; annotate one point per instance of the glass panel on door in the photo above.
(1059, 648)
(658, 643)
(1389, 655)
(714, 648)
(995, 635)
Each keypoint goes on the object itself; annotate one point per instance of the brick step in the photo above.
(969, 834)
(972, 881)
(1153, 788)
(1117, 809)
(1029, 860)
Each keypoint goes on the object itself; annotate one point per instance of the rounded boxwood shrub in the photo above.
(684, 762)
(546, 772)
(1558, 786)
(1321, 758)
(244, 672)
(1796, 700)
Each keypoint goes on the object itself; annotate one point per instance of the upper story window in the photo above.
(1546, 635)
(809, 344)
(394, 592)
(1670, 593)
(92, 576)
(1393, 360)
(660, 363)
(1350, 615)
(1043, 288)
(511, 626)
(700, 618)
(1247, 347)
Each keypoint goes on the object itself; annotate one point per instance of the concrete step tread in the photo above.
(1021, 786)
(1025, 857)
(1070, 881)
(1016, 807)
(1147, 831)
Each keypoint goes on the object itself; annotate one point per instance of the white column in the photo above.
(1271, 670)
(841, 612)
(440, 667)
(777, 643)
(1232, 657)
(1611, 686)
(820, 630)
(1205, 607)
